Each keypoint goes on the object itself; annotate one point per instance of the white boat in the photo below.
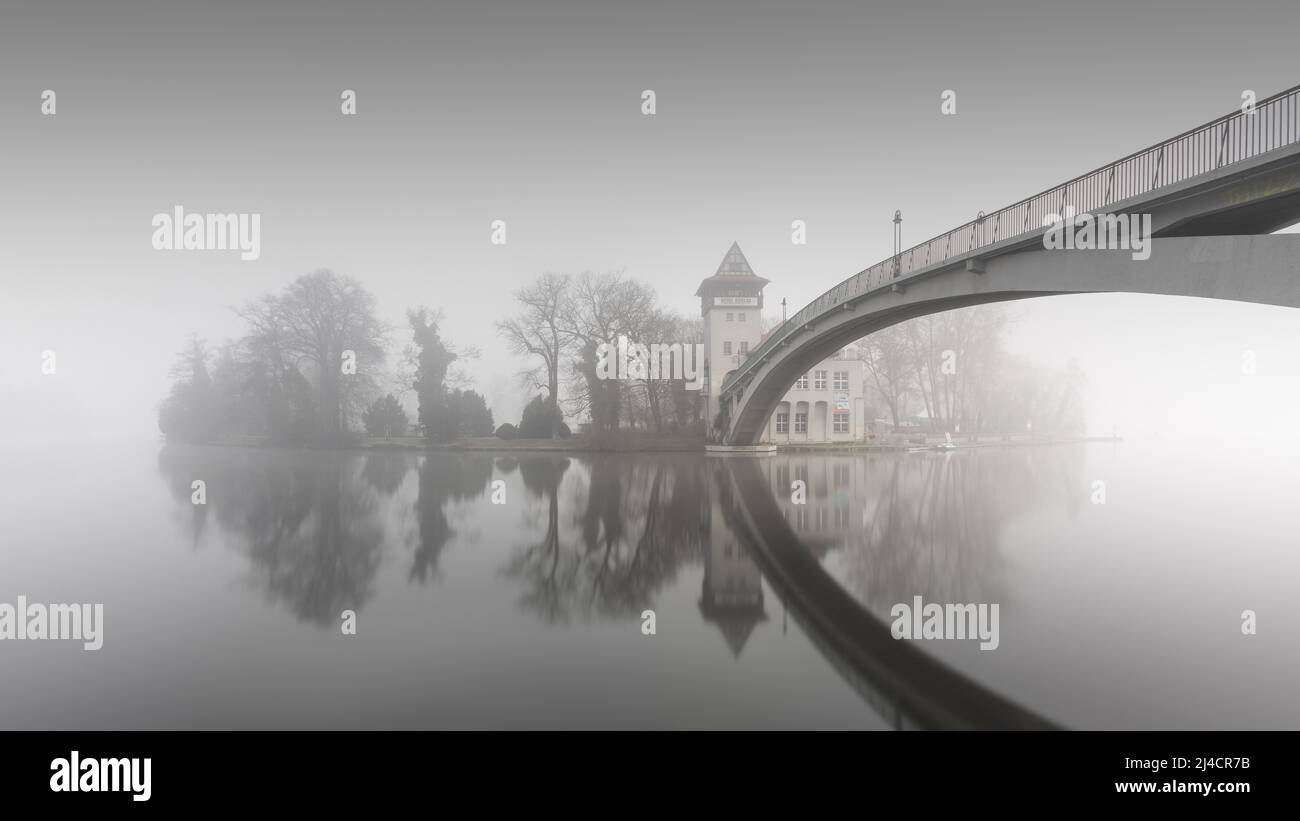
(946, 445)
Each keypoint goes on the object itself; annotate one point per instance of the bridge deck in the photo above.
(1228, 145)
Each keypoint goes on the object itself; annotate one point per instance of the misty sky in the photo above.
(529, 112)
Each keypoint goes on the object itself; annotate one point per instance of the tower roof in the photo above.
(736, 620)
(734, 270)
(734, 263)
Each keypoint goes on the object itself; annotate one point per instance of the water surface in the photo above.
(528, 613)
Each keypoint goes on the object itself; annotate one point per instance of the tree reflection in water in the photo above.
(606, 533)
(634, 523)
(306, 520)
(444, 477)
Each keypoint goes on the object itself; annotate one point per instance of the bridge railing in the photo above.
(1273, 123)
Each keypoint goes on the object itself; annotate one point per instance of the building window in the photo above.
(819, 380)
(744, 346)
(841, 422)
(801, 423)
(782, 422)
(740, 317)
(730, 316)
(841, 382)
(726, 349)
(801, 384)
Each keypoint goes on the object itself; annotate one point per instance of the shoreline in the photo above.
(648, 444)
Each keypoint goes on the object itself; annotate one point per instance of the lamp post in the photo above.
(898, 238)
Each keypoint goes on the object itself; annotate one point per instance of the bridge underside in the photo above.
(1247, 268)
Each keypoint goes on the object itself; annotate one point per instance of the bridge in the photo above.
(1213, 195)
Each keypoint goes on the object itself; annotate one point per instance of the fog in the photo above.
(469, 113)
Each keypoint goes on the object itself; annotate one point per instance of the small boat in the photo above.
(946, 445)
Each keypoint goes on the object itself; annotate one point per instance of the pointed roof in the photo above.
(733, 270)
(735, 615)
(734, 263)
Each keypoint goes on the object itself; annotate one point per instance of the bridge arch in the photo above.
(1263, 269)
(1210, 197)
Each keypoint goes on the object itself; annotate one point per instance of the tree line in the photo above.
(562, 321)
(951, 372)
(311, 365)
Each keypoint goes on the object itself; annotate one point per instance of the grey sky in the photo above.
(530, 112)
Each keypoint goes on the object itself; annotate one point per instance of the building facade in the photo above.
(827, 404)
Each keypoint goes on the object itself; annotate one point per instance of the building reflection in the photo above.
(924, 523)
(732, 595)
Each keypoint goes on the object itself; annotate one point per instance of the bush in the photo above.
(385, 417)
(536, 423)
(473, 415)
(565, 433)
(455, 415)
(507, 431)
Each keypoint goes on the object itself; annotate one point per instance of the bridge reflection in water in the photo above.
(603, 538)
(944, 559)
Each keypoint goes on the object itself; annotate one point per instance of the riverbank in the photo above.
(932, 441)
(633, 442)
(627, 442)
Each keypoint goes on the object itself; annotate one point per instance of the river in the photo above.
(495, 591)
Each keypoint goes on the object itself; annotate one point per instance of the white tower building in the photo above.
(731, 302)
(826, 405)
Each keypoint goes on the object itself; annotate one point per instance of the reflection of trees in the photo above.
(306, 520)
(507, 464)
(443, 478)
(932, 525)
(539, 564)
(633, 524)
(385, 471)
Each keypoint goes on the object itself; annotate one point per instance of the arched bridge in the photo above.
(1214, 195)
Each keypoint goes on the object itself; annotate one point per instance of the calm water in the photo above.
(528, 613)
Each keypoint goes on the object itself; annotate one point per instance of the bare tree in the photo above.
(885, 354)
(602, 307)
(317, 318)
(536, 331)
